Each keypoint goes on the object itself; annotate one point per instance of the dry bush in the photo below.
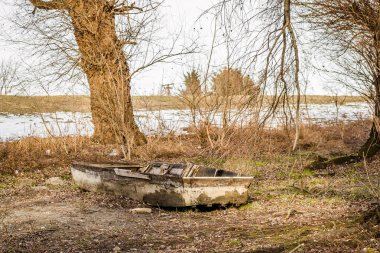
(37, 153)
(335, 139)
(251, 142)
(170, 148)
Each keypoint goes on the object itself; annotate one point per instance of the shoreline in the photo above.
(42, 104)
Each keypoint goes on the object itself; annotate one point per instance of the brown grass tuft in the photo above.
(31, 154)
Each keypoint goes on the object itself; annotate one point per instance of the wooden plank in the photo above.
(129, 173)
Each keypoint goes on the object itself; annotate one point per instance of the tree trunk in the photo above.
(372, 145)
(107, 71)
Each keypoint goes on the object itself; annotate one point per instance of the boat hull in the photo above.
(163, 190)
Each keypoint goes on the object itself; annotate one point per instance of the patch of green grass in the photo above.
(256, 174)
(358, 165)
(321, 200)
(308, 173)
(260, 163)
(251, 205)
(233, 243)
(370, 250)
(75, 187)
(67, 177)
(284, 174)
(287, 234)
(360, 193)
(318, 182)
(282, 159)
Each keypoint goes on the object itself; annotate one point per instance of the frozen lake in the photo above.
(14, 127)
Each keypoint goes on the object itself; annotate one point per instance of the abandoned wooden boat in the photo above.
(164, 184)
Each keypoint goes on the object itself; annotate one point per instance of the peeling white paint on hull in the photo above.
(164, 190)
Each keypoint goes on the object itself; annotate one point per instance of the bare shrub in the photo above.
(9, 79)
(250, 142)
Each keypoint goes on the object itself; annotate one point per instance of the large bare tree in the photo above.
(103, 61)
(351, 36)
(101, 56)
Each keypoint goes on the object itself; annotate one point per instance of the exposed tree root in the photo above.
(372, 145)
(370, 148)
(323, 163)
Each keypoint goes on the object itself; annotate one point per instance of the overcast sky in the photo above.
(181, 14)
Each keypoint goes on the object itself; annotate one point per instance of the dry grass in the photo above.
(292, 208)
(157, 102)
(318, 99)
(33, 104)
(27, 104)
(33, 153)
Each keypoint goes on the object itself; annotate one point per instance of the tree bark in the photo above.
(372, 145)
(106, 67)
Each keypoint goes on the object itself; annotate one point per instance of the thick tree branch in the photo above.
(49, 5)
(128, 42)
(126, 8)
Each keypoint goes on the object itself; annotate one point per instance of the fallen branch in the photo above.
(323, 163)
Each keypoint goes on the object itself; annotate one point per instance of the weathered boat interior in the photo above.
(164, 184)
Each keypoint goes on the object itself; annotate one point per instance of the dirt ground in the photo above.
(292, 209)
(299, 212)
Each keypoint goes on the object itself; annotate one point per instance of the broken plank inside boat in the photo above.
(164, 184)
